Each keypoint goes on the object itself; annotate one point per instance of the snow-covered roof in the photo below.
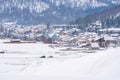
(90, 33)
(110, 29)
(94, 45)
(109, 38)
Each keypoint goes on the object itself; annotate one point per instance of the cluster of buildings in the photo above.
(44, 33)
(58, 34)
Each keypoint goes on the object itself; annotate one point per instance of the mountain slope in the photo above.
(50, 11)
(108, 18)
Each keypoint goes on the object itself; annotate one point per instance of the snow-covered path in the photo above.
(103, 65)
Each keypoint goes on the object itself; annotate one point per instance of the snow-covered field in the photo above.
(23, 62)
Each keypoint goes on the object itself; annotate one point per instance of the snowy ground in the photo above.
(23, 62)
